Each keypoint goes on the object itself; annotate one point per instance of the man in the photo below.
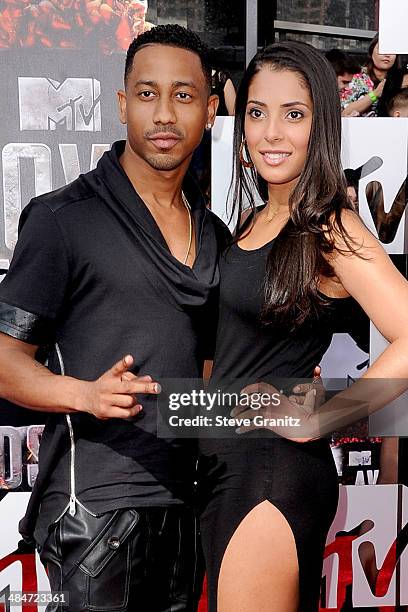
(118, 267)
(344, 67)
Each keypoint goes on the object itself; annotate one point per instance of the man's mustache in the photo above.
(167, 129)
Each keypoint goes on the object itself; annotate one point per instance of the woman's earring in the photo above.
(244, 162)
(208, 126)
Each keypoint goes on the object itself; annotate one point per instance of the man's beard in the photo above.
(164, 162)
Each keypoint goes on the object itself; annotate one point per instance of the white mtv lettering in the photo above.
(46, 104)
(70, 159)
(34, 433)
(40, 153)
(14, 459)
(371, 475)
(12, 154)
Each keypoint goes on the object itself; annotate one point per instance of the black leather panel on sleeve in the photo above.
(24, 325)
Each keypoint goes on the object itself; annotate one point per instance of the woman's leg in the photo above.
(259, 570)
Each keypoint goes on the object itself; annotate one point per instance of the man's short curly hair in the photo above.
(172, 35)
(398, 102)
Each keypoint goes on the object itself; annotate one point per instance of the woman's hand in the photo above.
(303, 389)
(379, 89)
(293, 420)
(364, 103)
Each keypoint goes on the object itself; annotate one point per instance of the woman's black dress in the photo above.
(300, 479)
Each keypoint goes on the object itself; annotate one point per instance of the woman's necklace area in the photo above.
(271, 214)
(190, 238)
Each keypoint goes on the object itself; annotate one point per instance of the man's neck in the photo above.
(155, 187)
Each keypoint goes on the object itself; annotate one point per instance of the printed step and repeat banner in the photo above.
(61, 65)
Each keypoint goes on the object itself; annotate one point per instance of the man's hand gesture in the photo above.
(114, 394)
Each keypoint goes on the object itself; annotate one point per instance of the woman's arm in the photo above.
(363, 104)
(375, 283)
(382, 292)
(229, 96)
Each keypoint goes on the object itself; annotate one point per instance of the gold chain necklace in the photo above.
(272, 215)
(190, 238)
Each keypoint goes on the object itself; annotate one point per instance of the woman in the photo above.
(292, 267)
(223, 87)
(366, 87)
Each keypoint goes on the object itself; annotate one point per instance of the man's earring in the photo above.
(244, 162)
(208, 126)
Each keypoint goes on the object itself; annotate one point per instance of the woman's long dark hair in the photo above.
(370, 64)
(297, 257)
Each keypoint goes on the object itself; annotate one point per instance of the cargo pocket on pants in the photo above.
(104, 562)
(107, 563)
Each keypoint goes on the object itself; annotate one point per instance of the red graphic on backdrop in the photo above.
(107, 25)
(380, 583)
(29, 577)
(342, 546)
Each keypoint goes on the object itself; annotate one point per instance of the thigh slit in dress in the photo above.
(237, 474)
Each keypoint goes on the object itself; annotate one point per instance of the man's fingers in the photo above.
(123, 401)
(130, 376)
(116, 412)
(127, 376)
(131, 387)
(139, 386)
(122, 366)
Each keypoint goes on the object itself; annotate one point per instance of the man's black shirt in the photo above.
(91, 272)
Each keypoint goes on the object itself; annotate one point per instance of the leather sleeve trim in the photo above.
(24, 325)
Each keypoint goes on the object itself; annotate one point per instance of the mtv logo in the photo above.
(46, 104)
(359, 458)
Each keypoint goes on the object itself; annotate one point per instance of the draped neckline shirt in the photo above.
(92, 273)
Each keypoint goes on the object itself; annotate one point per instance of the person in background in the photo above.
(396, 81)
(344, 66)
(398, 105)
(223, 87)
(366, 88)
